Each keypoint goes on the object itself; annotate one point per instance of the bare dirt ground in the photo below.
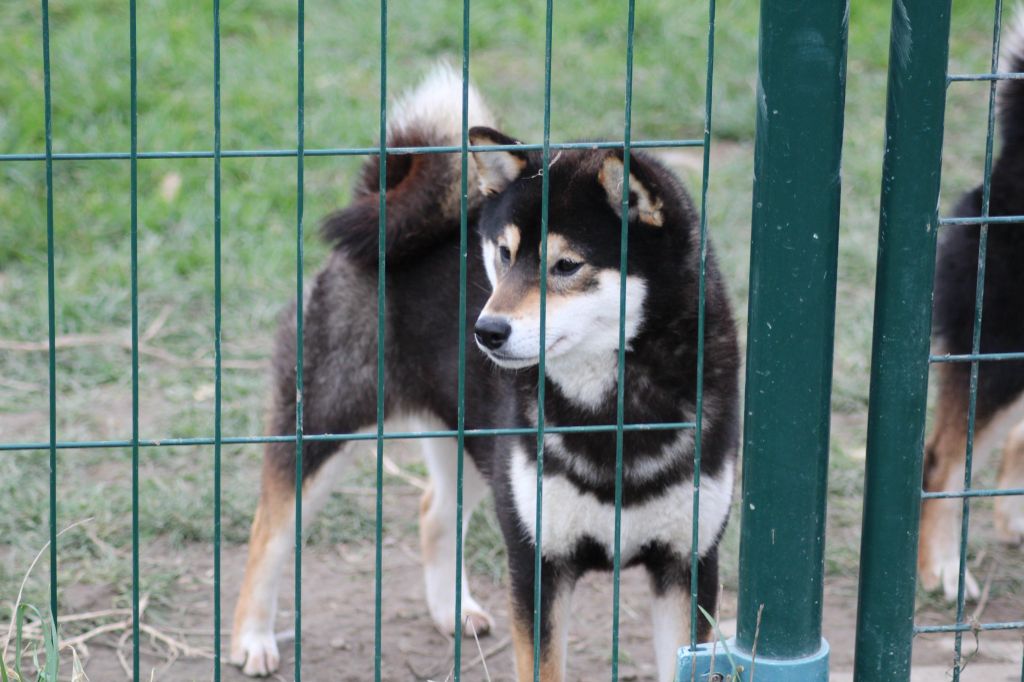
(338, 615)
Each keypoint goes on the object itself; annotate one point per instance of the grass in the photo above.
(90, 113)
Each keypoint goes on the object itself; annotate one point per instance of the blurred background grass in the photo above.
(90, 113)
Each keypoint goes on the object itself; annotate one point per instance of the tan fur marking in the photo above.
(550, 656)
(513, 294)
(510, 238)
(559, 248)
(611, 176)
(944, 460)
(1009, 511)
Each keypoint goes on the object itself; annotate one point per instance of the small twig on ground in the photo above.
(121, 340)
(979, 609)
(483, 657)
(122, 659)
(20, 385)
(757, 634)
(500, 646)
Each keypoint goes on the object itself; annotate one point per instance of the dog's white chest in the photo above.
(570, 514)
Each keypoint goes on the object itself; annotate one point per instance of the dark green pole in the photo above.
(899, 365)
(795, 236)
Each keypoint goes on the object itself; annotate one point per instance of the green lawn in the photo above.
(90, 79)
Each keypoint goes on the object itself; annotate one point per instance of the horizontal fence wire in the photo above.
(982, 220)
(977, 357)
(395, 435)
(350, 151)
(969, 627)
(977, 492)
(999, 76)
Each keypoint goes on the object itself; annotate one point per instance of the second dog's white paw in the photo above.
(945, 575)
(255, 653)
(1010, 520)
(1011, 532)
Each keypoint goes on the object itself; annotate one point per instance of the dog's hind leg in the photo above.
(438, 536)
(1010, 508)
(271, 541)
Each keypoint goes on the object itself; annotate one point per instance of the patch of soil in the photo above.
(338, 618)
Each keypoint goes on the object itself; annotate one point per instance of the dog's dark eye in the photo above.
(506, 255)
(565, 267)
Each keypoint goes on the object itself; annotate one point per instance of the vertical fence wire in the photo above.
(463, 264)
(217, 403)
(976, 344)
(620, 393)
(699, 417)
(381, 290)
(51, 309)
(300, 135)
(541, 379)
(134, 160)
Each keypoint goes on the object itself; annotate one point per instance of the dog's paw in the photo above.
(1010, 531)
(945, 576)
(474, 620)
(255, 653)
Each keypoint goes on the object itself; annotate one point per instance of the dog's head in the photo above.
(582, 271)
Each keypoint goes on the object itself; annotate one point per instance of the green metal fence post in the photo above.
(795, 233)
(899, 367)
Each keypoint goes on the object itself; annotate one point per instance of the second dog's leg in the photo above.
(438, 537)
(271, 542)
(1010, 509)
(938, 557)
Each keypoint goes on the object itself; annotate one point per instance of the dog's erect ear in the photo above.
(495, 170)
(644, 203)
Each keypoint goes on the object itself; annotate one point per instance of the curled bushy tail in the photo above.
(423, 190)
(1011, 92)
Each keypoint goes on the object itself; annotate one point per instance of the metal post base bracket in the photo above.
(722, 662)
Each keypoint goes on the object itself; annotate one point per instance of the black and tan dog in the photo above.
(999, 383)
(581, 344)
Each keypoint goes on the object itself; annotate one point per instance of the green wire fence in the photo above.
(795, 231)
(300, 153)
(918, 83)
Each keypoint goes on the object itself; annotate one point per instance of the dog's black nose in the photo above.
(492, 332)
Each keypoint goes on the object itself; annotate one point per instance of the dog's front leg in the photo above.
(671, 607)
(555, 613)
